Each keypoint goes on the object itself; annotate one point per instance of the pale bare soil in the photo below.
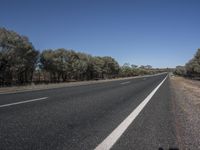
(186, 107)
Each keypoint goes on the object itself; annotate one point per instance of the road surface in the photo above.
(83, 117)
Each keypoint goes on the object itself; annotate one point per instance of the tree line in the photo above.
(190, 69)
(21, 63)
(63, 65)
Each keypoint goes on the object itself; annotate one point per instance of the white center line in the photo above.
(125, 82)
(22, 102)
(112, 138)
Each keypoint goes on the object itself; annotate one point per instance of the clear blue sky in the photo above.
(162, 33)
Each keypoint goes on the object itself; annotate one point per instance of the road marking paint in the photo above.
(112, 138)
(22, 102)
(125, 82)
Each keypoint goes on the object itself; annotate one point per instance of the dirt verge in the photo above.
(186, 107)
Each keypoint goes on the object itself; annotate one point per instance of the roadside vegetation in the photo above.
(191, 69)
(21, 63)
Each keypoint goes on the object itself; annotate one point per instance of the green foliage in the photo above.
(79, 66)
(193, 66)
(180, 70)
(17, 58)
(128, 70)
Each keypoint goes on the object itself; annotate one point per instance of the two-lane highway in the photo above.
(83, 117)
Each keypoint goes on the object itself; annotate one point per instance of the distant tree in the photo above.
(148, 67)
(142, 67)
(193, 66)
(180, 70)
(134, 66)
(110, 67)
(98, 64)
(126, 70)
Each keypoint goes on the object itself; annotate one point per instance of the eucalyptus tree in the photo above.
(17, 57)
(111, 67)
(180, 70)
(193, 66)
(125, 70)
(72, 59)
(80, 66)
(97, 67)
(135, 70)
(56, 62)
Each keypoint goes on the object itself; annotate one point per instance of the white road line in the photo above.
(112, 138)
(125, 82)
(22, 102)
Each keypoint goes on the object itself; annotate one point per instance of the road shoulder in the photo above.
(186, 106)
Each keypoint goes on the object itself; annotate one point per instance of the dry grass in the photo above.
(191, 88)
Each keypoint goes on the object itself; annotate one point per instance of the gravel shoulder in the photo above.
(186, 107)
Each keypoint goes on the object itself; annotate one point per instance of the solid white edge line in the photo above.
(22, 102)
(112, 138)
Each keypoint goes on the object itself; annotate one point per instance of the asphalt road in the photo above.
(80, 118)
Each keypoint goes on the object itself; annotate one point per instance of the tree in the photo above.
(134, 66)
(193, 66)
(17, 58)
(180, 70)
(110, 67)
(126, 70)
(58, 63)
